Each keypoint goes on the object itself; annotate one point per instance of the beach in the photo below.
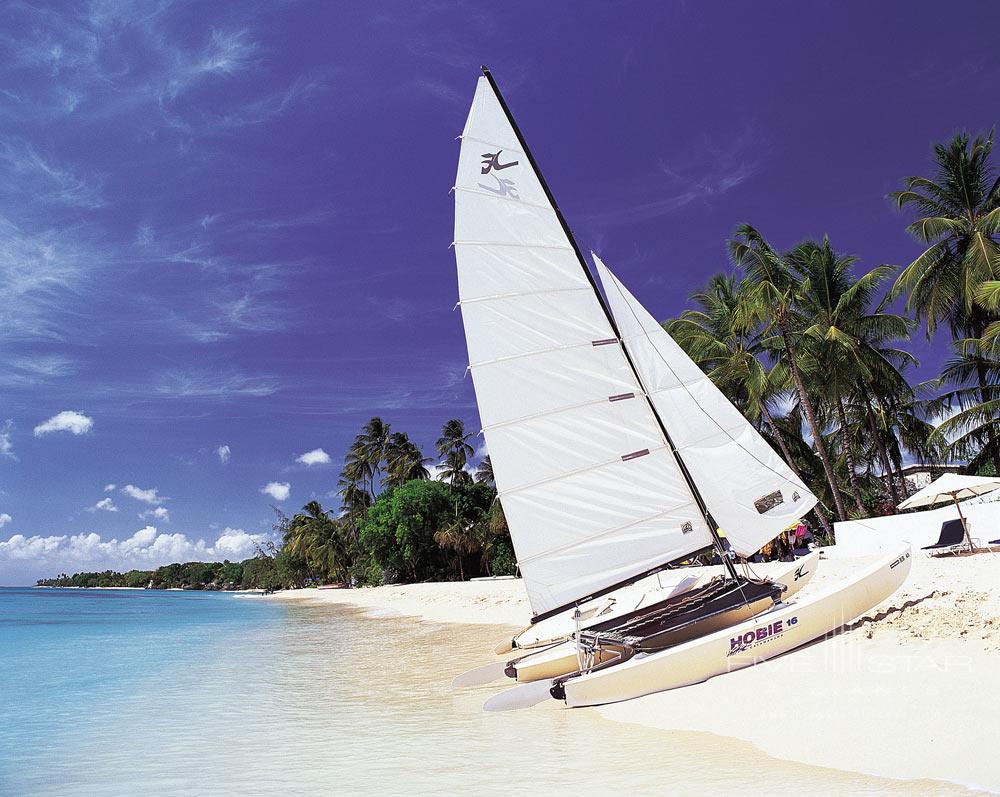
(907, 692)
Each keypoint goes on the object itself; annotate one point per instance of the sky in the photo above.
(225, 227)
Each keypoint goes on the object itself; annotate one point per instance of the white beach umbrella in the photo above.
(952, 487)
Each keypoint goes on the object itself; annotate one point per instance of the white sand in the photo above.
(500, 602)
(911, 691)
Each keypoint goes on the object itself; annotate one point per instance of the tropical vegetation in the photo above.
(811, 348)
(394, 524)
(813, 351)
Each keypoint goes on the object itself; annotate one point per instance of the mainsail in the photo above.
(592, 493)
(749, 490)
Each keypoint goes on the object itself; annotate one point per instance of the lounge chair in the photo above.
(951, 539)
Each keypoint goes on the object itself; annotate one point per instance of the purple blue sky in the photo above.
(227, 224)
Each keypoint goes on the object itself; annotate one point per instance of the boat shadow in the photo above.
(884, 614)
(861, 622)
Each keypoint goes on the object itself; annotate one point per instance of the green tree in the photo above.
(455, 451)
(954, 280)
(848, 338)
(484, 472)
(322, 541)
(404, 460)
(773, 293)
(724, 339)
(398, 530)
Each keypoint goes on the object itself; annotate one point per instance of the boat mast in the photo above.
(702, 507)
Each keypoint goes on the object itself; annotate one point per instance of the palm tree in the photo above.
(719, 339)
(374, 443)
(484, 472)
(353, 490)
(319, 539)
(772, 295)
(951, 282)
(461, 537)
(971, 432)
(455, 451)
(404, 460)
(845, 344)
(363, 464)
(359, 469)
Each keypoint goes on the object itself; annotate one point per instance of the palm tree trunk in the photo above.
(793, 366)
(883, 455)
(787, 454)
(845, 438)
(894, 461)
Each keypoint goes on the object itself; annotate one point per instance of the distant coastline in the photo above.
(259, 573)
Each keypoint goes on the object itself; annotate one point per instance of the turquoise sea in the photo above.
(108, 692)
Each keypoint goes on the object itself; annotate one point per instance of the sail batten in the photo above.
(597, 466)
(591, 492)
(747, 488)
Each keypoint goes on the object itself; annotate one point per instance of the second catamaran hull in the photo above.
(784, 628)
(649, 591)
(562, 659)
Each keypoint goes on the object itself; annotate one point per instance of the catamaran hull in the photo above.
(561, 659)
(543, 634)
(787, 626)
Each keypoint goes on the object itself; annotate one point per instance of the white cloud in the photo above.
(6, 446)
(110, 488)
(66, 421)
(147, 548)
(105, 505)
(224, 454)
(149, 496)
(237, 544)
(160, 513)
(279, 491)
(315, 457)
(4, 519)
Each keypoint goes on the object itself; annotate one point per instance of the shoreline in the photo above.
(908, 693)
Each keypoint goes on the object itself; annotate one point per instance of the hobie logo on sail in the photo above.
(491, 161)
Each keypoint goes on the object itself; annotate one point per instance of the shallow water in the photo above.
(118, 692)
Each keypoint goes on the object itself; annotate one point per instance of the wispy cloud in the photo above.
(709, 169)
(439, 90)
(26, 370)
(71, 421)
(41, 177)
(39, 272)
(6, 444)
(225, 53)
(224, 454)
(204, 384)
(252, 112)
(4, 519)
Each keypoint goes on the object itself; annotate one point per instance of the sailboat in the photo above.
(615, 457)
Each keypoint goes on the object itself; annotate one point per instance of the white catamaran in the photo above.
(615, 457)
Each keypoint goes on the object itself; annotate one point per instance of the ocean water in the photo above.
(107, 692)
